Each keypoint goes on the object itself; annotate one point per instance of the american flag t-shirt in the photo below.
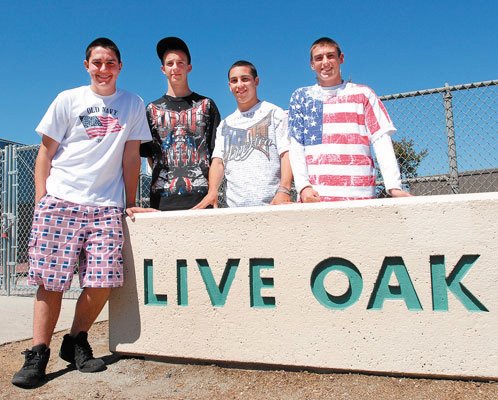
(335, 126)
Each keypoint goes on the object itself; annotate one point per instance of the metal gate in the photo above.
(17, 205)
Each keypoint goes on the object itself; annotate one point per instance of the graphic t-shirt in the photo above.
(250, 144)
(92, 131)
(183, 136)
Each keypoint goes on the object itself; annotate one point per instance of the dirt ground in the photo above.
(132, 378)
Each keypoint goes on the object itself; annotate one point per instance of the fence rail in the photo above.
(447, 142)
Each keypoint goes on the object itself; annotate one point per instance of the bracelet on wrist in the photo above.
(283, 189)
(306, 187)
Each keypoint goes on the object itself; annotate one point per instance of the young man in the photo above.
(332, 125)
(251, 148)
(88, 162)
(183, 125)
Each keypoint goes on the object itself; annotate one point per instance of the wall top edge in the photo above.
(406, 201)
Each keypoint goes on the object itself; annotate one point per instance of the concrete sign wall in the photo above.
(406, 286)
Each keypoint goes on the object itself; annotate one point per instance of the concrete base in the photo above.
(397, 286)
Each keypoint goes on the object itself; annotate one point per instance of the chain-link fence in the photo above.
(447, 142)
(24, 207)
(144, 190)
(447, 139)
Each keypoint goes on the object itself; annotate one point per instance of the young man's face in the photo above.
(175, 66)
(103, 67)
(326, 63)
(243, 86)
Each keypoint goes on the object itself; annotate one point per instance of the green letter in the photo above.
(149, 297)
(218, 294)
(405, 291)
(347, 268)
(258, 283)
(181, 282)
(440, 284)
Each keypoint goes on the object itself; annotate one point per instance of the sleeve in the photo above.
(55, 122)
(280, 120)
(377, 119)
(214, 121)
(296, 150)
(146, 149)
(388, 165)
(140, 128)
(219, 147)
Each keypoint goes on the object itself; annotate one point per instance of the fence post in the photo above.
(7, 214)
(139, 191)
(450, 132)
(3, 219)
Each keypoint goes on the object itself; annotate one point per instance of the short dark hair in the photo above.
(106, 44)
(243, 63)
(322, 41)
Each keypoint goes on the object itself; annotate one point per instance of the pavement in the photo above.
(16, 317)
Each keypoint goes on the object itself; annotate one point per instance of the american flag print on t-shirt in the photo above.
(335, 126)
(100, 125)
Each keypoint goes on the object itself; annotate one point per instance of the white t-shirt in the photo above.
(250, 144)
(92, 131)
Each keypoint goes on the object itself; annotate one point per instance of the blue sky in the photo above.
(392, 46)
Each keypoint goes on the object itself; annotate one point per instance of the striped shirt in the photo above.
(331, 131)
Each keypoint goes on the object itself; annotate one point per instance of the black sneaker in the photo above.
(32, 373)
(78, 352)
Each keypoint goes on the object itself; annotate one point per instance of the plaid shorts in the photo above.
(64, 233)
